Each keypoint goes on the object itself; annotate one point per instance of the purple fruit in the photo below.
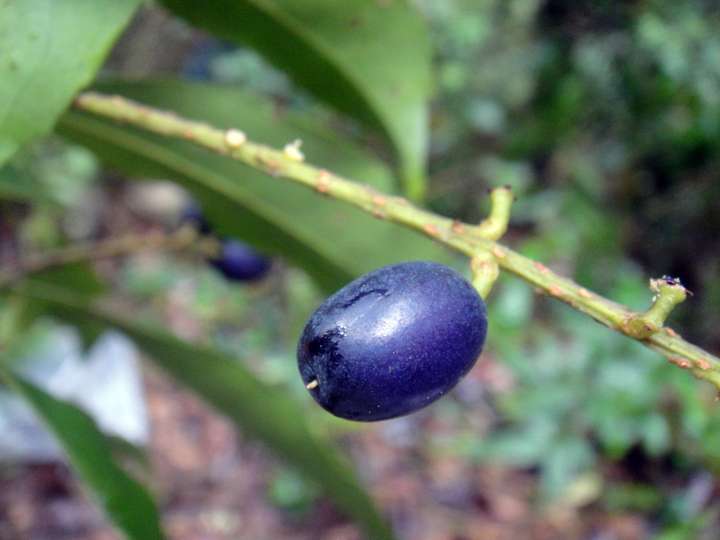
(239, 262)
(392, 341)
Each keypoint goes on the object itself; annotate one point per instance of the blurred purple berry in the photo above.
(240, 262)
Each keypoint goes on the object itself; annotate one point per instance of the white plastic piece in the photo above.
(106, 384)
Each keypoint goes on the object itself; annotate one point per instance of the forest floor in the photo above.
(213, 485)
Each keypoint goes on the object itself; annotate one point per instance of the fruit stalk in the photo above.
(472, 240)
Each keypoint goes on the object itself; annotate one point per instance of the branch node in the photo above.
(541, 268)
(292, 151)
(669, 292)
(680, 362)
(322, 183)
(555, 291)
(379, 200)
(431, 230)
(499, 252)
(585, 293)
(495, 225)
(703, 364)
(457, 227)
(234, 138)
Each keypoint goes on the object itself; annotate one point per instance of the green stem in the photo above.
(414, 183)
(485, 272)
(497, 222)
(468, 239)
(484, 264)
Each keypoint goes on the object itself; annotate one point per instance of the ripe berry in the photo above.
(392, 341)
(239, 262)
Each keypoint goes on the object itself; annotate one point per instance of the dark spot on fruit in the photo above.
(362, 294)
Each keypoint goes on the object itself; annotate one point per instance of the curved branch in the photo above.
(472, 240)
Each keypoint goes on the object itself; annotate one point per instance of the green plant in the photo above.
(367, 66)
(478, 242)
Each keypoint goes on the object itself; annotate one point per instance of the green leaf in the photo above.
(20, 187)
(78, 277)
(261, 410)
(332, 241)
(563, 461)
(368, 59)
(125, 501)
(656, 434)
(48, 51)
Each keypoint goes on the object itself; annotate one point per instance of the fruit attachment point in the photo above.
(485, 272)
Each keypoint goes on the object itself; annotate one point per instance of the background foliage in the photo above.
(603, 116)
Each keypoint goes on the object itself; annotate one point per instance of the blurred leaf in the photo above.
(584, 489)
(563, 463)
(369, 59)
(656, 434)
(633, 497)
(275, 215)
(290, 491)
(48, 51)
(81, 279)
(261, 410)
(125, 501)
(512, 304)
(50, 173)
(701, 526)
(21, 313)
(19, 187)
(520, 447)
(12, 322)
(130, 455)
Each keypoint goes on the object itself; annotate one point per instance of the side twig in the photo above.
(476, 241)
(185, 239)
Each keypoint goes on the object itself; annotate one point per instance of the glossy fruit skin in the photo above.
(240, 262)
(392, 341)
